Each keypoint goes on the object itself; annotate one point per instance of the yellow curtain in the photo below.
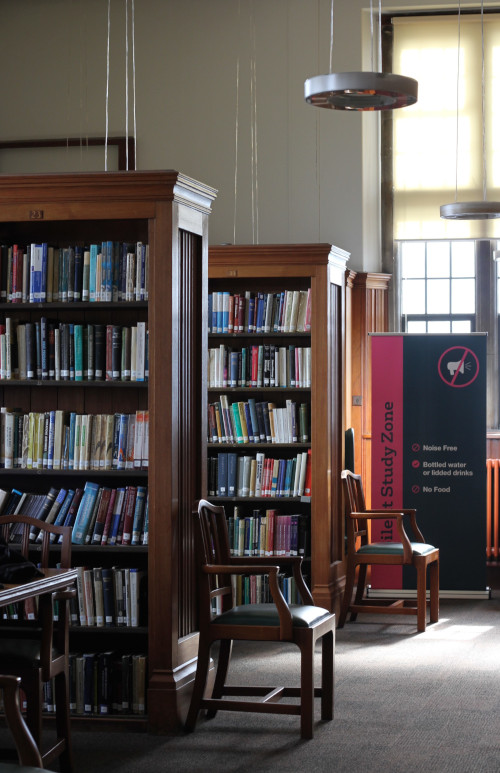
(438, 149)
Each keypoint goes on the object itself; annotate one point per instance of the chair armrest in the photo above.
(294, 561)
(409, 511)
(26, 747)
(397, 515)
(285, 616)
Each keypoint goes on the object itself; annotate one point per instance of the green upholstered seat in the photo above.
(395, 548)
(267, 614)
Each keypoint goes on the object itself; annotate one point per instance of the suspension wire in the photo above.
(107, 90)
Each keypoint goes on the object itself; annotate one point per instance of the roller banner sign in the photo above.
(429, 450)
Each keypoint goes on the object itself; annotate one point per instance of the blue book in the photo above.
(222, 475)
(232, 473)
(43, 276)
(122, 441)
(225, 311)
(261, 308)
(145, 526)
(92, 271)
(50, 449)
(115, 287)
(281, 478)
(84, 514)
(139, 510)
(117, 513)
(71, 445)
(63, 512)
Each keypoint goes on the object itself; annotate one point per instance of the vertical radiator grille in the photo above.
(492, 508)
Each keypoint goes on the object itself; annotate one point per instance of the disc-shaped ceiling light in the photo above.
(363, 90)
(472, 210)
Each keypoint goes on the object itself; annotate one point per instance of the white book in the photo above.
(302, 479)
(260, 458)
(296, 481)
(294, 312)
(140, 359)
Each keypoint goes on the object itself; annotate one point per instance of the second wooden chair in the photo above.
(278, 621)
(361, 553)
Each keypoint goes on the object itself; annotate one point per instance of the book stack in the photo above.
(66, 440)
(254, 421)
(107, 683)
(232, 475)
(110, 597)
(254, 589)
(104, 272)
(98, 515)
(287, 311)
(268, 533)
(50, 350)
(265, 365)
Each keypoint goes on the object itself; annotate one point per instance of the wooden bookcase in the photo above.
(168, 211)
(272, 269)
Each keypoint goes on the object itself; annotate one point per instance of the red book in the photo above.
(109, 352)
(109, 517)
(241, 314)
(230, 319)
(255, 366)
(125, 536)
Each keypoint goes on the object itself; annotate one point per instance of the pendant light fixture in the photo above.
(472, 210)
(361, 90)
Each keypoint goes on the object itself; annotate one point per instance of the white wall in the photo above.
(314, 183)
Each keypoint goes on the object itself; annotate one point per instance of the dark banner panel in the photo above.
(437, 385)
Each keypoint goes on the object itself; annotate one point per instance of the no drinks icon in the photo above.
(458, 366)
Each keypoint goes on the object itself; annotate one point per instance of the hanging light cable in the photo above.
(473, 210)
(361, 90)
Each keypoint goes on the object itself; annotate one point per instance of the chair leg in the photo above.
(199, 685)
(63, 723)
(307, 688)
(421, 595)
(360, 588)
(226, 646)
(327, 675)
(434, 590)
(33, 690)
(346, 600)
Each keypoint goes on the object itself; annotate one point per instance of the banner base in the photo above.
(400, 593)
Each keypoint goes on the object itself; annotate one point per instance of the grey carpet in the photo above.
(403, 702)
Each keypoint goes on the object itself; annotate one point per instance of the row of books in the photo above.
(254, 589)
(258, 422)
(66, 440)
(268, 534)
(101, 684)
(110, 596)
(232, 475)
(98, 515)
(42, 273)
(266, 365)
(66, 351)
(287, 311)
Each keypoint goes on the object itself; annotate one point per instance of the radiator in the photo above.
(492, 507)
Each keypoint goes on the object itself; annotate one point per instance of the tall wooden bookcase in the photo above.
(170, 212)
(272, 269)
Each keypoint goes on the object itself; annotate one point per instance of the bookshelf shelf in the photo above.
(168, 212)
(319, 269)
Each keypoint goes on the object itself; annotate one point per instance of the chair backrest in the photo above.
(17, 528)
(26, 747)
(212, 547)
(355, 503)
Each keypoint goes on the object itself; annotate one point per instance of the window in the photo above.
(438, 286)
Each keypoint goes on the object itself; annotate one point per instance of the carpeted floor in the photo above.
(404, 702)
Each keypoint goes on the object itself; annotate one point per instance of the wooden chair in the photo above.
(30, 760)
(361, 553)
(37, 651)
(302, 625)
